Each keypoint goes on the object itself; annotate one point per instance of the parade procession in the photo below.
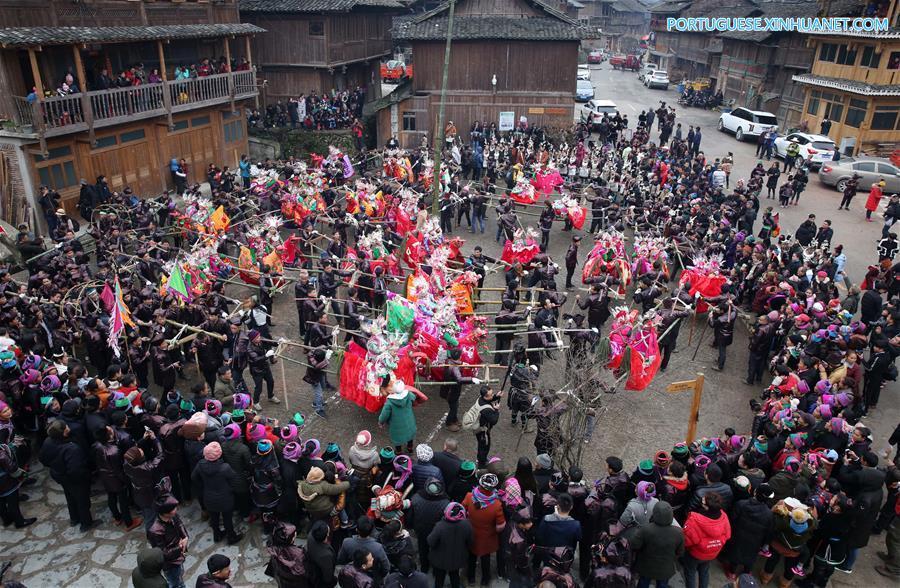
(645, 340)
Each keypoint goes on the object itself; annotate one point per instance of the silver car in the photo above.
(870, 170)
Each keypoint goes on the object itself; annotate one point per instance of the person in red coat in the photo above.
(875, 195)
(705, 533)
(486, 517)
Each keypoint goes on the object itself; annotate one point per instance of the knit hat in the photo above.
(646, 491)
(792, 465)
(387, 454)
(237, 415)
(825, 411)
(823, 386)
(264, 447)
(217, 562)
(186, 405)
(298, 419)
(291, 451)
(467, 469)
(332, 452)
(544, 461)
(662, 459)
(454, 512)
(424, 453)
(212, 452)
(773, 315)
(364, 438)
(680, 449)
(311, 448)
(255, 432)
(488, 481)
(645, 467)
(315, 475)
(708, 446)
(192, 429)
(231, 431)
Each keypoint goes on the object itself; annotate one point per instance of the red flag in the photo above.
(108, 297)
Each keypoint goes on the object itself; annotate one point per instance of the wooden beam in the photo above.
(36, 73)
(167, 95)
(86, 112)
(228, 69)
(247, 51)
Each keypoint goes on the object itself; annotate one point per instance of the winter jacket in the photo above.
(11, 475)
(143, 478)
(350, 546)
(173, 445)
(320, 564)
(237, 455)
(756, 524)
(866, 504)
(397, 547)
(449, 543)
(425, 512)
(704, 537)
(214, 479)
(638, 512)
(723, 490)
(316, 496)
(110, 466)
(448, 464)
(265, 486)
(657, 545)
(166, 536)
(288, 565)
(66, 461)
(422, 472)
(208, 581)
(487, 523)
(352, 577)
(557, 531)
(413, 580)
(148, 573)
(398, 413)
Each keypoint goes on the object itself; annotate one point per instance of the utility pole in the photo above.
(439, 131)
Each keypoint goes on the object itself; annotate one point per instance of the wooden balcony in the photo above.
(61, 115)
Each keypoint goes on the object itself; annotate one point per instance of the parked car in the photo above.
(744, 122)
(646, 70)
(584, 91)
(584, 73)
(820, 147)
(623, 62)
(657, 79)
(595, 56)
(598, 108)
(393, 71)
(870, 170)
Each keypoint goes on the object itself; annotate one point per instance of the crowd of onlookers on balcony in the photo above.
(313, 112)
(139, 75)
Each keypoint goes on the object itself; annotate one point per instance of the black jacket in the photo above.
(66, 461)
(448, 544)
(756, 523)
(870, 306)
(321, 558)
(426, 511)
(657, 545)
(215, 480)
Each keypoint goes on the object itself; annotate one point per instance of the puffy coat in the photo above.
(208, 581)
(144, 477)
(167, 536)
(173, 445)
(351, 577)
(265, 488)
(704, 537)
(214, 479)
(486, 525)
(426, 511)
(316, 496)
(422, 472)
(866, 504)
(398, 413)
(756, 523)
(237, 455)
(320, 563)
(449, 543)
(148, 573)
(110, 466)
(65, 460)
(11, 475)
(658, 544)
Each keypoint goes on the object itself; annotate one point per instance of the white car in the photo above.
(598, 108)
(820, 147)
(657, 79)
(584, 73)
(744, 122)
(646, 70)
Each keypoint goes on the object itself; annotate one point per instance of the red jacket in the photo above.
(704, 537)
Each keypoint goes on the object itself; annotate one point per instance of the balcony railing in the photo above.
(58, 115)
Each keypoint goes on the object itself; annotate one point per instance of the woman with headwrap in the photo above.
(449, 544)
(265, 486)
(639, 508)
(485, 511)
(290, 566)
(215, 477)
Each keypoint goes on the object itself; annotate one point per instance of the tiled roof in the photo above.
(848, 85)
(314, 5)
(32, 36)
(629, 6)
(670, 7)
(486, 27)
(432, 25)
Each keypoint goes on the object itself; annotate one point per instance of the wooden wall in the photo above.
(880, 75)
(285, 83)
(497, 8)
(866, 138)
(143, 163)
(287, 40)
(520, 66)
(95, 13)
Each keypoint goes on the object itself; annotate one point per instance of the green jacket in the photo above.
(316, 495)
(398, 413)
(792, 149)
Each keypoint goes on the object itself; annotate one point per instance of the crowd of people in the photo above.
(796, 483)
(313, 112)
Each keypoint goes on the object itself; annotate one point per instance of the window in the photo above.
(228, 115)
(885, 118)
(409, 121)
(869, 57)
(846, 56)
(132, 136)
(813, 106)
(828, 52)
(179, 125)
(887, 169)
(856, 112)
(54, 153)
(833, 110)
(234, 131)
(316, 28)
(894, 61)
(834, 106)
(58, 176)
(108, 141)
(200, 121)
(865, 166)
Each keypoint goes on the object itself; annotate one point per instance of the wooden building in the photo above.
(320, 45)
(129, 133)
(664, 42)
(529, 48)
(855, 82)
(618, 25)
